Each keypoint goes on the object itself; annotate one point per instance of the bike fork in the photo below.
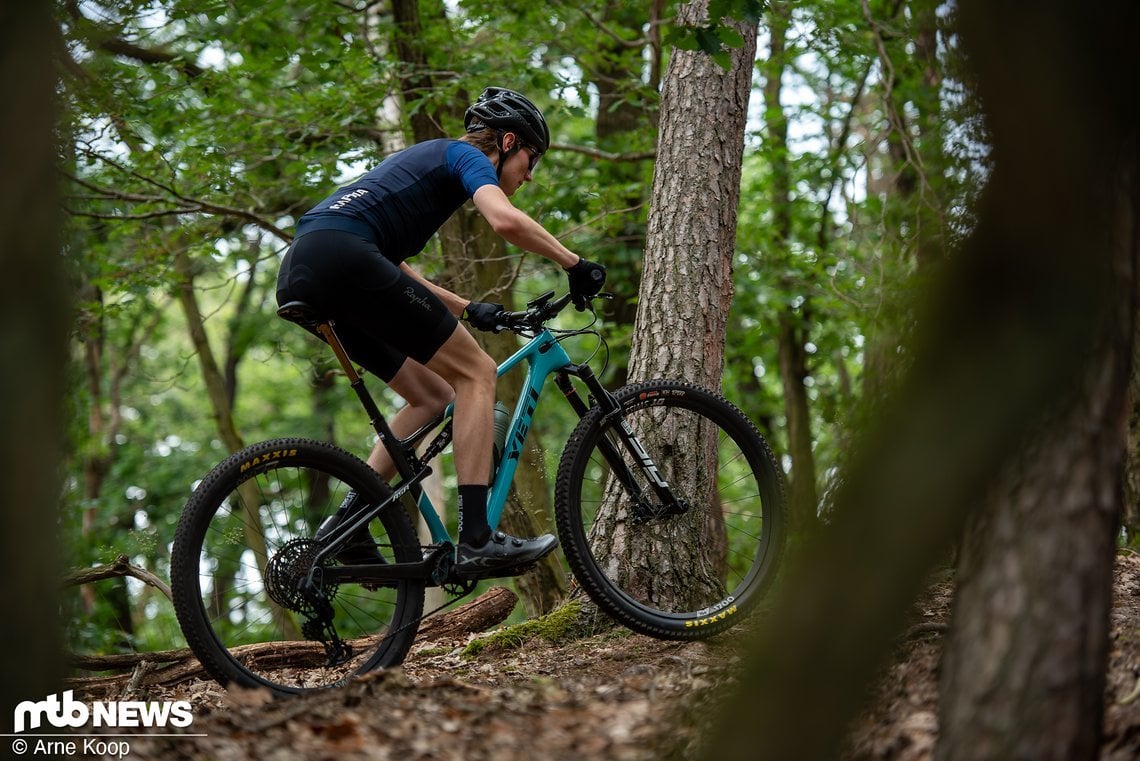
(620, 428)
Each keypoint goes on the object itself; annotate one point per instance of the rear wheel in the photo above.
(243, 548)
(682, 571)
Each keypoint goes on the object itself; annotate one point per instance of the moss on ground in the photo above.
(557, 627)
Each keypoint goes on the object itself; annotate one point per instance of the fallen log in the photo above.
(489, 609)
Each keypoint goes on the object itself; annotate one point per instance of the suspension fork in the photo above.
(611, 412)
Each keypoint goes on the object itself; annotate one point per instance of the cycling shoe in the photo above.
(502, 555)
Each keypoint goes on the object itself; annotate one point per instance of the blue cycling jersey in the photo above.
(401, 203)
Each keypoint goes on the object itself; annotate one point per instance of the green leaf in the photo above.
(730, 37)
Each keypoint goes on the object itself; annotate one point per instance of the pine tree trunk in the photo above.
(686, 288)
(1034, 589)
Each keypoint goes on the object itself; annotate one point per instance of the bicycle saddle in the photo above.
(302, 313)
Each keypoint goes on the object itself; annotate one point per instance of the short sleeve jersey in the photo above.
(401, 203)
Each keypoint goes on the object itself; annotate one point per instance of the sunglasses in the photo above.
(534, 157)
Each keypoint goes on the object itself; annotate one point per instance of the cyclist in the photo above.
(348, 260)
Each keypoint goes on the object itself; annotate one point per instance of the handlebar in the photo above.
(539, 311)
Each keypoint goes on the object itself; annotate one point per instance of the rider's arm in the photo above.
(455, 304)
(518, 228)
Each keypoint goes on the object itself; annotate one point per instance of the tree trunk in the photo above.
(221, 405)
(33, 353)
(803, 499)
(686, 288)
(794, 323)
(1131, 517)
(1033, 591)
(1037, 302)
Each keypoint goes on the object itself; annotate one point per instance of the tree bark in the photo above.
(686, 288)
(1023, 670)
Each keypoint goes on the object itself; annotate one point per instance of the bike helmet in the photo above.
(502, 109)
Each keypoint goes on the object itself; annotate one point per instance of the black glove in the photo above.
(586, 279)
(482, 315)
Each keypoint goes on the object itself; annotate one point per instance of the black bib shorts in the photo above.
(381, 314)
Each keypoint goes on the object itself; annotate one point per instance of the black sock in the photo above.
(473, 528)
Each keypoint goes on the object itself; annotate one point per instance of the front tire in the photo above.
(668, 575)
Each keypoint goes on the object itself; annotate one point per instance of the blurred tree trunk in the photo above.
(1024, 668)
(33, 353)
(1029, 325)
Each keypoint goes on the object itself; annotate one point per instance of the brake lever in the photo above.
(583, 302)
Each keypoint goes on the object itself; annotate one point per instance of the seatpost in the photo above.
(379, 424)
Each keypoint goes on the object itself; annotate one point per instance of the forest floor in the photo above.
(615, 696)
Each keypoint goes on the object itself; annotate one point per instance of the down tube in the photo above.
(545, 356)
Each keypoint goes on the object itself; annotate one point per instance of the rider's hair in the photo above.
(486, 140)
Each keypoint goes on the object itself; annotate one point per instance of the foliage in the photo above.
(199, 131)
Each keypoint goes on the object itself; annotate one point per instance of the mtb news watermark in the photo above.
(33, 722)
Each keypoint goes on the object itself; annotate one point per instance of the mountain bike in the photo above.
(669, 508)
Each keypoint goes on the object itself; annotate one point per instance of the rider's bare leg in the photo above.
(427, 395)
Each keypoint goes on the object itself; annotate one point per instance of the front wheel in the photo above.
(243, 548)
(681, 569)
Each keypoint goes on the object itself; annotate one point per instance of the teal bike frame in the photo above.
(544, 357)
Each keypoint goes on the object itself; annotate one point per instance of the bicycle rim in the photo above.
(243, 542)
(693, 571)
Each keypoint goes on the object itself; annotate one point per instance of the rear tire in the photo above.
(243, 537)
(681, 576)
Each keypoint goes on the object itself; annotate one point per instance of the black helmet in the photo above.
(503, 109)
